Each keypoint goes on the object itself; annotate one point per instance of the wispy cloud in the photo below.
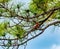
(55, 46)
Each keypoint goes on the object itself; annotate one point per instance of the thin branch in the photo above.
(8, 39)
(41, 32)
(47, 12)
(54, 9)
(52, 23)
(32, 38)
(26, 40)
(39, 25)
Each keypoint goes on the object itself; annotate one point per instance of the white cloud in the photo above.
(55, 46)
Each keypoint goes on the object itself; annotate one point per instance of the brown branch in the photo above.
(47, 12)
(32, 37)
(54, 9)
(50, 11)
(26, 40)
(55, 22)
(46, 18)
(52, 23)
(39, 25)
(8, 39)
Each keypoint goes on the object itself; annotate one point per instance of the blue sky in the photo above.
(50, 39)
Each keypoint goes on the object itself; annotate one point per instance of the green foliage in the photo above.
(17, 31)
(20, 31)
(40, 6)
(36, 6)
(3, 28)
(2, 10)
(3, 1)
